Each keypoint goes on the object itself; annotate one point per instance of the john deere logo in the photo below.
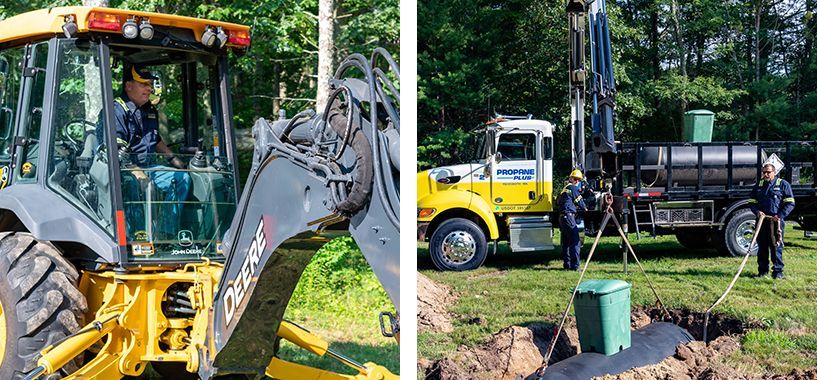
(185, 238)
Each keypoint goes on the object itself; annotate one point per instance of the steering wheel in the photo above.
(74, 131)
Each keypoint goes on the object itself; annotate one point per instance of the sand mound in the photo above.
(432, 299)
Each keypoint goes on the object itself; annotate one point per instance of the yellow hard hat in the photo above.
(576, 173)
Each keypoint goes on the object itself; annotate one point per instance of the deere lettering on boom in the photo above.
(697, 191)
(98, 279)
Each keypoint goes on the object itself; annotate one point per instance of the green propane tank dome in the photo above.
(602, 287)
(698, 125)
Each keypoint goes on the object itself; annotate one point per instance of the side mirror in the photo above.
(498, 157)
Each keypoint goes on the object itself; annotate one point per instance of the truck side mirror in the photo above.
(497, 157)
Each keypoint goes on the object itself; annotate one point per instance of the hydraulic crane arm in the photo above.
(603, 86)
(308, 173)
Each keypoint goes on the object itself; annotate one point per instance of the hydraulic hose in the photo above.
(359, 61)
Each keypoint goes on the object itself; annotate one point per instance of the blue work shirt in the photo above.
(137, 128)
(772, 198)
(570, 201)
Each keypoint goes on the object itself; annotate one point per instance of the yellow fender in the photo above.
(459, 199)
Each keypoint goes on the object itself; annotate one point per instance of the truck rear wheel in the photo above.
(458, 244)
(39, 302)
(738, 232)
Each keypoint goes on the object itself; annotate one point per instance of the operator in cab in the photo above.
(570, 203)
(139, 144)
(772, 201)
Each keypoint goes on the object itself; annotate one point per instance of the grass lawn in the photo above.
(518, 289)
(339, 299)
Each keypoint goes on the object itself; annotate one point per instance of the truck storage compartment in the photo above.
(683, 213)
(530, 233)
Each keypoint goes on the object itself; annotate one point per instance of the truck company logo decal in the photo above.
(515, 174)
(237, 287)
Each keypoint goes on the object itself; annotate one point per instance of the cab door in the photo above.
(514, 176)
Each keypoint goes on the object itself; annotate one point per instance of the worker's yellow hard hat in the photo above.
(576, 173)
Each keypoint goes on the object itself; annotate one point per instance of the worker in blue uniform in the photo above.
(570, 202)
(771, 197)
(137, 136)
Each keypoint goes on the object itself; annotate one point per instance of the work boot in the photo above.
(778, 276)
(761, 275)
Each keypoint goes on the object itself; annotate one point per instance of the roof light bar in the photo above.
(129, 29)
(70, 27)
(208, 38)
(146, 30)
(240, 37)
(221, 38)
(104, 21)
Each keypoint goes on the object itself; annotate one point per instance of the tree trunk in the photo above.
(326, 49)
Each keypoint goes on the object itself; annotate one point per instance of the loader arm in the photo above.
(309, 174)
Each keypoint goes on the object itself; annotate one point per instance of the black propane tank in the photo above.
(744, 165)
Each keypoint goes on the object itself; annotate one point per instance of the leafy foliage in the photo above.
(752, 62)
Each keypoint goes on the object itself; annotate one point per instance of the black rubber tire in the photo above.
(730, 244)
(694, 238)
(40, 299)
(435, 245)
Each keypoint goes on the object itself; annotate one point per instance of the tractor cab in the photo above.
(63, 95)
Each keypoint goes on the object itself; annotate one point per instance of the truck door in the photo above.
(513, 178)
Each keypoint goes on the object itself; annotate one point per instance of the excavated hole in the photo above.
(519, 350)
(693, 322)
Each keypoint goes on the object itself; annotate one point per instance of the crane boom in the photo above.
(603, 86)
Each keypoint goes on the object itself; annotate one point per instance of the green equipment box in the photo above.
(698, 125)
(603, 315)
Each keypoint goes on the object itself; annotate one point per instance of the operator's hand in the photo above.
(776, 218)
(760, 214)
(142, 178)
(177, 162)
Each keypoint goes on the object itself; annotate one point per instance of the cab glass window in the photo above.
(175, 212)
(547, 148)
(78, 165)
(517, 146)
(32, 115)
(10, 74)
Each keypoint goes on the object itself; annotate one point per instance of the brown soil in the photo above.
(517, 351)
(432, 299)
(512, 352)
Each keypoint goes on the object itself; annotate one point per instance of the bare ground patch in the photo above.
(432, 302)
(517, 351)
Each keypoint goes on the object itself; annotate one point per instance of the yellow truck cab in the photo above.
(505, 194)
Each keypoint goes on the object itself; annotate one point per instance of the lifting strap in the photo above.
(759, 223)
(608, 215)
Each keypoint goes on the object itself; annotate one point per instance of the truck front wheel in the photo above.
(457, 245)
(738, 233)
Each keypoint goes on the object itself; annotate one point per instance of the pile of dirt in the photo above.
(432, 299)
(512, 352)
(693, 360)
